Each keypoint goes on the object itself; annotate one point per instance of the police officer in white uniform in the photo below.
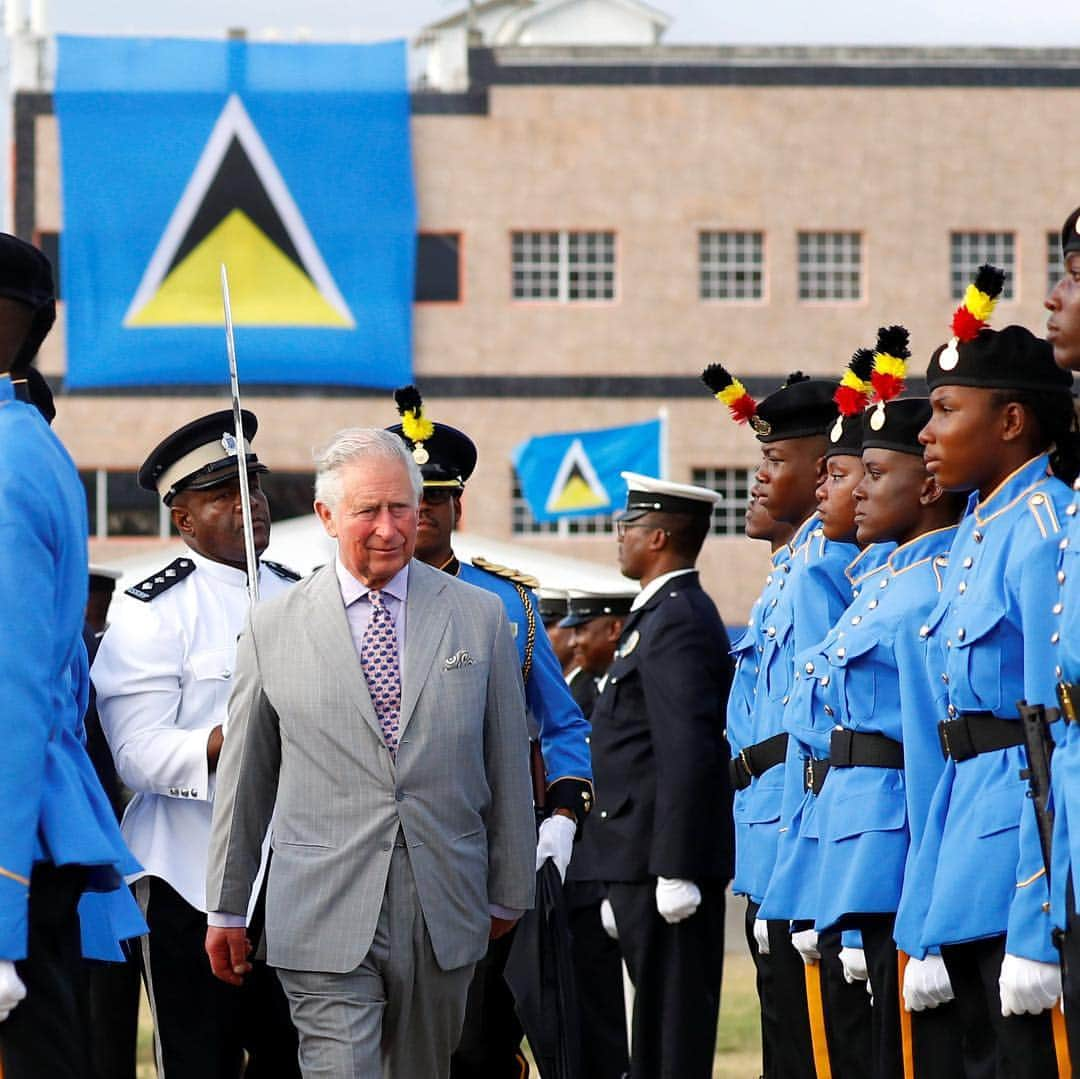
(162, 676)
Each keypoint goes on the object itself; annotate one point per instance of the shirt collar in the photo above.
(869, 560)
(655, 585)
(229, 575)
(928, 545)
(802, 534)
(1012, 487)
(352, 589)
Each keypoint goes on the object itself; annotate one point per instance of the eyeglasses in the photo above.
(622, 526)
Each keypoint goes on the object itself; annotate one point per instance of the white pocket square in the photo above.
(458, 659)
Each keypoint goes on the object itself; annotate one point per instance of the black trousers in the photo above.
(1022, 1046)
(202, 1026)
(848, 1020)
(48, 1032)
(490, 1046)
(114, 1017)
(598, 966)
(786, 1049)
(1070, 972)
(676, 971)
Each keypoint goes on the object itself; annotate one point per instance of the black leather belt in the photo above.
(1068, 695)
(850, 749)
(756, 760)
(978, 732)
(814, 772)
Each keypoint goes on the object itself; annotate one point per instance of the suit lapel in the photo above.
(425, 622)
(329, 628)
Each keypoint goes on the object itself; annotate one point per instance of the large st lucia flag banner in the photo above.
(577, 473)
(291, 164)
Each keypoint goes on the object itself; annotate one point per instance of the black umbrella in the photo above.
(540, 973)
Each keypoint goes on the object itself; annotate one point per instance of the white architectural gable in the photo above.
(582, 22)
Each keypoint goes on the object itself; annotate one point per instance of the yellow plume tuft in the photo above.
(979, 304)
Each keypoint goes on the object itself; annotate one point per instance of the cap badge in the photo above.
(837, 429)
(631, 643)
(877, 420)
(951, 356)
(420, 455)
(228, 443)
(760, 426)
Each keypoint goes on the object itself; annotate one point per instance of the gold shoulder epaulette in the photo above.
(504, 571)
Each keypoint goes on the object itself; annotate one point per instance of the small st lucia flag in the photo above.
(576, 474)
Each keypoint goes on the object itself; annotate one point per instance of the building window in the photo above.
(830, 266)
(1055, 264)
(731, 265)
(438, 267)
(970, 250)
(117, 506)
(522, 522)
(729, 515)
(563, 266)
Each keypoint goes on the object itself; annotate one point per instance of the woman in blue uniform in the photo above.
(977, 889)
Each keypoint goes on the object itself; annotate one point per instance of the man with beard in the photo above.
(162, 675)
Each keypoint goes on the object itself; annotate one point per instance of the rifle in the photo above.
(1040, 748)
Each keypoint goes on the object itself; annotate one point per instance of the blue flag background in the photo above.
(135, 118)
(576, 473)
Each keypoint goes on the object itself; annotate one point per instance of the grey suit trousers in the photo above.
(397, 1015)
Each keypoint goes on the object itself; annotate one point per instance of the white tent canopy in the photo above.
(302, 545)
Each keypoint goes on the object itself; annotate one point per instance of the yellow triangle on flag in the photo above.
(266, 287)
(577, 495)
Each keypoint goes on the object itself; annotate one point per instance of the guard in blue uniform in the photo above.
(60, 838)
(664, 831)
(489, 1047)
(866, 689)
(1063, 332)
(977, 889)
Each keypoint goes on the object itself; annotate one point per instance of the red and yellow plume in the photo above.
(727, 389)
(979, 301)
(853, 393)
(890, 370)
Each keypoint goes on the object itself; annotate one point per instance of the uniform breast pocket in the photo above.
(214, 664)
(622, 672)
(855, 668)
(777, 658)
(976, 636)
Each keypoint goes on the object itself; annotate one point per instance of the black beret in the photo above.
(446, 459)
(26, 277)
(1070, 233)
(1009, 359)
(800, 408)
(200, 454)
(845, 437)
(898, 425)
(585, 608)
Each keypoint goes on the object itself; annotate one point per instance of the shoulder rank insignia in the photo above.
(152, 587)
(504, 571)
(630, 644)
(283, 572)
(1042, 509)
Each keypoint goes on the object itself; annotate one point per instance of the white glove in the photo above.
(805, 943)
(556, 841)
(761, 936)
(12, 989)
(607, 920)
(853, 960)
(1028, 986)
(676, 900)
(926, 984)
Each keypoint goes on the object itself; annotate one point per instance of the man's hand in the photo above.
(501, 926)
(12, 989)
(215, 740)
(1027, 985)
(228, 950)
(676, 899)
(556, 841)
(761, 935)
(926, 984)
(853, 961)
(805, 943)
(607, 919)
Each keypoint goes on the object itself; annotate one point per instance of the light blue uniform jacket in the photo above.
(870, 676)
(54, 807)
(818, 591)
(757, 808)
(978, 872)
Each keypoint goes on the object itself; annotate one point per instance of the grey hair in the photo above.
(355, 444)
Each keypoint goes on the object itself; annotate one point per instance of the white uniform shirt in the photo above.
(163, 675)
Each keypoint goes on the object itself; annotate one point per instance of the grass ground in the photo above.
(738, 1042)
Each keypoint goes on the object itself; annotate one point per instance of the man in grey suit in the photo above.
(378, 716)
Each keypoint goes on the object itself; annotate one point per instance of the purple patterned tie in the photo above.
(379, 662)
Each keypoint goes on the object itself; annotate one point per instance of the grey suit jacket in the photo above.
(304, 745)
